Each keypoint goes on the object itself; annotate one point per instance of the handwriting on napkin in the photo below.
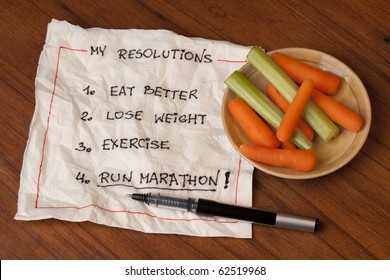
(123, 111)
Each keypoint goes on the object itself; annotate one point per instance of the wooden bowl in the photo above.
(331, 155)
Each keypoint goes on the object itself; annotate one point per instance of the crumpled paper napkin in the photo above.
(132, 111)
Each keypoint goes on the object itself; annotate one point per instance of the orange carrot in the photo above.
(302, 160)
(298, 71)
(337, 112)
(294, 111)
(283, 105)
(254, 127)
(288, 145)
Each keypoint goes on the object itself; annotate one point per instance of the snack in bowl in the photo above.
(333, 144)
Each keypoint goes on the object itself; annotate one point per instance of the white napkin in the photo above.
(128, 111)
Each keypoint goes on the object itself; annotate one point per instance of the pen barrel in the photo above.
(178, 203)
(159, 200)
(258, 216)
(210, 207)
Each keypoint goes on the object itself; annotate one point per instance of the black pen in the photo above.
(213, 208)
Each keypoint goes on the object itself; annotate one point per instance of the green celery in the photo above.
(320, 123)
(260, 103)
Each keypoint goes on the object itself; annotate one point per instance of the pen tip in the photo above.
(130, 194)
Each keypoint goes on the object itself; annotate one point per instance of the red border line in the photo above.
(97, 206)
(48, 118)
(238, 177)
(232, 61)
(141, 213)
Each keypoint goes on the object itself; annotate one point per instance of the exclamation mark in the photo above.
(227, 174)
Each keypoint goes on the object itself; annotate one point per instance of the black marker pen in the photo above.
(213, 208)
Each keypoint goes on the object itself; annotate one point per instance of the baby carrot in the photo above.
(302, 160)
(294, 111)
(337, 112)
(283, 105)
(254, 127)
(298, 71)
(288, 145)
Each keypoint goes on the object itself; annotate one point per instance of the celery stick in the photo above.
(260, 103)
(320, 123)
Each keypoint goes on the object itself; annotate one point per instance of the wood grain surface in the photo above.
(353, 203)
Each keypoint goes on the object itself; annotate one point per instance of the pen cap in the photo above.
(297, 222)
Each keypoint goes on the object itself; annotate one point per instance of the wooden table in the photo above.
(352, 203)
